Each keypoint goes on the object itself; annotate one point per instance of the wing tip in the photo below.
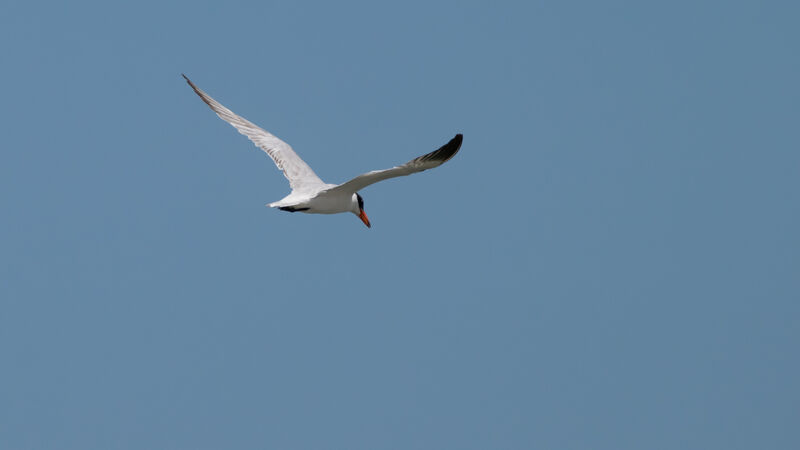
(203, 96)
(451, 148)
(457, 140)
(190, 82)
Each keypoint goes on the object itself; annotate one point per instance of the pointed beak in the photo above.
(363, 216)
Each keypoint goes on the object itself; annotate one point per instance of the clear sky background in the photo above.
(612, 261)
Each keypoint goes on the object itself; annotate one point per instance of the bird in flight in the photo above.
(309, 193)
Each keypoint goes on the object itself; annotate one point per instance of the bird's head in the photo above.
(358, 209)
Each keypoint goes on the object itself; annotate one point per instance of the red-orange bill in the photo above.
(363, 216)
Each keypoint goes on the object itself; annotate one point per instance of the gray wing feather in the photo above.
(428, 161)
(299, 174)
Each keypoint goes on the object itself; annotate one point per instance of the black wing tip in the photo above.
(189, 81)
(198, 91)
(455, 142)
(451, 148)
(443, 153)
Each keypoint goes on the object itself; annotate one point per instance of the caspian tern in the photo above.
(309, 193)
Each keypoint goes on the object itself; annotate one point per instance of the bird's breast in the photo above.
(325, 203)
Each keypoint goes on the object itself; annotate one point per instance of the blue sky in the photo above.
(610, 262)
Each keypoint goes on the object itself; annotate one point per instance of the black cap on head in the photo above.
(360, 201)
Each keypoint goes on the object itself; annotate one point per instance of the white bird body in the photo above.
(321, 202)
(309, 193)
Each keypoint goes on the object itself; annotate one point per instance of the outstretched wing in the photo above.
(424, 162)
(299, 174)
